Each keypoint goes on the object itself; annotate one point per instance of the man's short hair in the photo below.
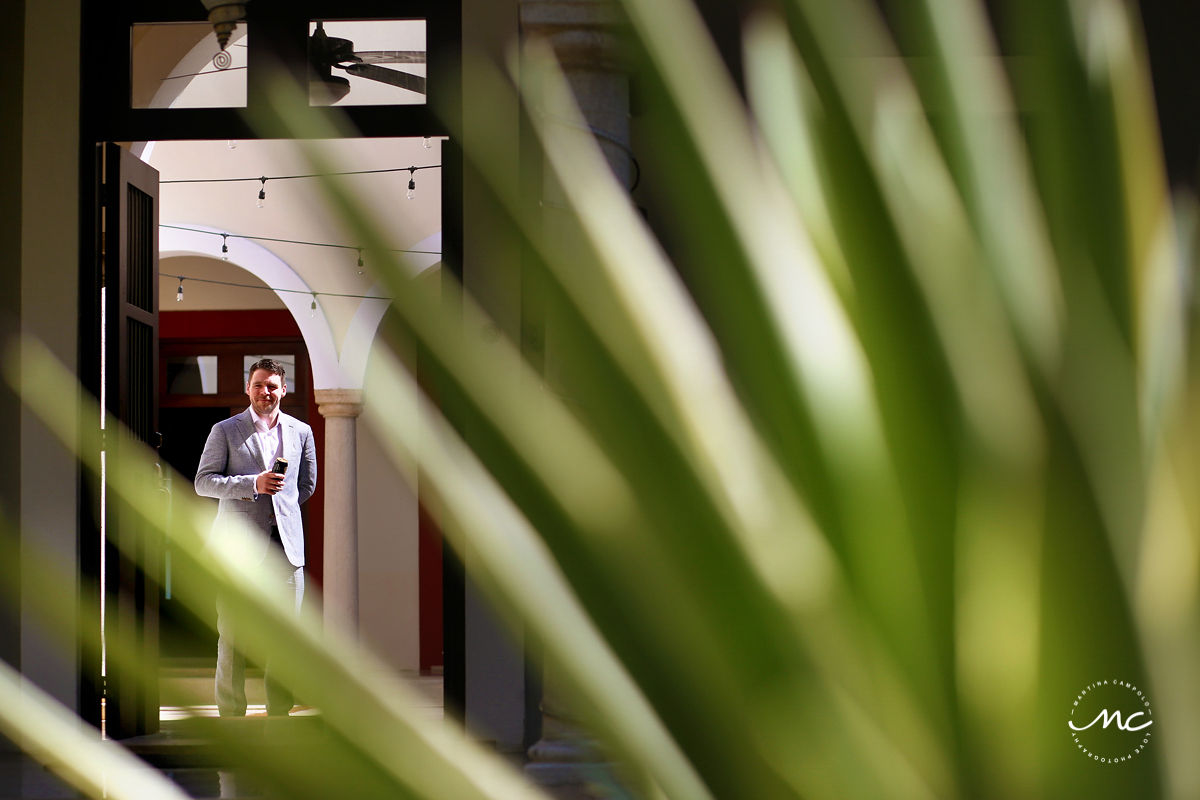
(270, 365)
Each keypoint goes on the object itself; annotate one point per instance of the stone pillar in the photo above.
(340, 408)
(586, 38)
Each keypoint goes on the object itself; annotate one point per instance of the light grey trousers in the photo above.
(231, 664)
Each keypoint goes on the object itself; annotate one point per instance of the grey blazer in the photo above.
(232, 459)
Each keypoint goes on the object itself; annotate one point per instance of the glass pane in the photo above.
(289, 366)
(192, 375)
(180, 65)
(367, 62)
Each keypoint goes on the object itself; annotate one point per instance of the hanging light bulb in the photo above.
(262, 191)
(224, 246)
(179, 291)
(231, 144)
(360, 262)
(428, 143)
(312, 309)
(412, 184)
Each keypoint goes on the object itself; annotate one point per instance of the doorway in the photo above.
(238, 279)
(203, 358)
(202, 365)
(112, 111)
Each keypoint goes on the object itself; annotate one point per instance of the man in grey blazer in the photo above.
(237, 469)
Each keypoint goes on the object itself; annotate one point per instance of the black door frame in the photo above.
(280, 40)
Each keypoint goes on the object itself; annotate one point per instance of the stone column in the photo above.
(340, 408)
(586, 38)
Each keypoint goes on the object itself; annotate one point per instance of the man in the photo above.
(237, 468)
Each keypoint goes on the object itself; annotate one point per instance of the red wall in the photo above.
(227, 324)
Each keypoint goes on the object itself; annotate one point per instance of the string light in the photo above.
(179, 291)
(427, 143)
(302, 176)
(262, 179)
(312, 310)
(360, 262)
(224, 246)
(261, 287)
(224, 236)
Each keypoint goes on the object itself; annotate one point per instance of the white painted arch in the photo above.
(331, 369)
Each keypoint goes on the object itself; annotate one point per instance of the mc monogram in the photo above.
(1127, 725)
(1124, 716)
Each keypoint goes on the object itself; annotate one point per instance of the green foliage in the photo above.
(848, 488)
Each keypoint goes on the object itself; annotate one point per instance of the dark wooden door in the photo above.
(131, 393)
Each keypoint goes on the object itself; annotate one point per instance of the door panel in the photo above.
(131, 383)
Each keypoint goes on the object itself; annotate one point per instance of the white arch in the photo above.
(195, 65)
(276, 273)
(331, 370)
(357, 346)
(192, 65)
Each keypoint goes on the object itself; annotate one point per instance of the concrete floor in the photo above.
(185, 692)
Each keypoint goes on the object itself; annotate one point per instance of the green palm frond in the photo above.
(841, 475)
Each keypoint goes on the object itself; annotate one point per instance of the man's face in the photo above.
(265, 390)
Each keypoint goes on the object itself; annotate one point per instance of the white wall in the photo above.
(198, 295)
(388, 587)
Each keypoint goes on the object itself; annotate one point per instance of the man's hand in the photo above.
(268, 482)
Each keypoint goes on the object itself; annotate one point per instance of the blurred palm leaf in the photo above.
(53, 735)
(845, 478)
(373, 736)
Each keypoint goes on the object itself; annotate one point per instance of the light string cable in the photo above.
(182, 278)
(611, 138)
(412, 170)
(225, 249)
(224, 236)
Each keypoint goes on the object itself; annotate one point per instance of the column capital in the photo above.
(339, 402)
(584, 33)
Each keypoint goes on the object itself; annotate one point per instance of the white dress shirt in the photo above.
(269, 441)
